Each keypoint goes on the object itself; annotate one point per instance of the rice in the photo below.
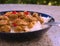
(46, 19)
(37, 26)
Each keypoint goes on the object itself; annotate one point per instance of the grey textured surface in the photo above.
(51, 38)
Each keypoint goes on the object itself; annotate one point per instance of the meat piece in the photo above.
(20, 22)
(31, 24)
(5, 28)
(38, 17)
(4, 22)
(21, 15)
(13, 17)
(4, 17)
(18, 29)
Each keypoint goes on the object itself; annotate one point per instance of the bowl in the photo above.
(26, 35)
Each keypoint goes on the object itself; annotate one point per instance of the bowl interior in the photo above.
(42, 14)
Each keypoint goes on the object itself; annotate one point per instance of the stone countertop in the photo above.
(51, 38)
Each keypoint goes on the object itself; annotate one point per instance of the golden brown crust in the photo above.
(5, 28)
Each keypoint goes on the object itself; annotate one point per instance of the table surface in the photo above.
(52, 35)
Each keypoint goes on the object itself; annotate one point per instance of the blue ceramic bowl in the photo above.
(26, 35)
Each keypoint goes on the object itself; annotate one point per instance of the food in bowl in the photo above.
(21, 21)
